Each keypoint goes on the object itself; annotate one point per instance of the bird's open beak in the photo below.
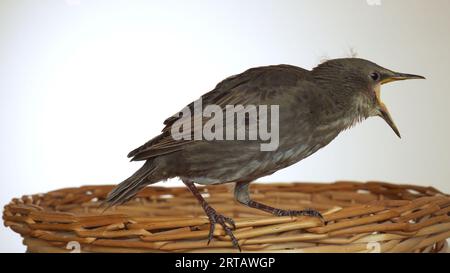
(384, 112)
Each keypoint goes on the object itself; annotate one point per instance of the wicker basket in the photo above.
(360, 217)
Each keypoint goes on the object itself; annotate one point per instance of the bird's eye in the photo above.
(375, 76)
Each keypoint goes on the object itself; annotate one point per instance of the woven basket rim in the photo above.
(397, 217)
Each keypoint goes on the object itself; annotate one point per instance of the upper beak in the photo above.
(384, 112)
(395, 76)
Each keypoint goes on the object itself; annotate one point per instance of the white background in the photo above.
(84, 82)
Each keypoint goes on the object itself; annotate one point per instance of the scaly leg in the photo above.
(242, 196)
(213, 216)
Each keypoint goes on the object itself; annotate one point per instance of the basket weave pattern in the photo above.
(359, 217)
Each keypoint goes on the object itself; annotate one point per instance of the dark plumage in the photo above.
(314, 107)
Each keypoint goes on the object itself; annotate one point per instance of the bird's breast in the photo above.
(308, 144)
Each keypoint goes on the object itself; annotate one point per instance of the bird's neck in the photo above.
(358, 109)
(348, 108)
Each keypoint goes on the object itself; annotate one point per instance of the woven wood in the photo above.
(360, 217)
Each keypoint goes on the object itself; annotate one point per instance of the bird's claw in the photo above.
(305, 212)
(225, 222)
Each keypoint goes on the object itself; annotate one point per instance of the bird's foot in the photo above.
(216, 218)
(292, 213)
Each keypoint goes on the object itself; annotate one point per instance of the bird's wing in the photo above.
(254, 86)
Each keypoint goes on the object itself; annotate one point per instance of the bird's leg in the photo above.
(213, 216)
(242, 195)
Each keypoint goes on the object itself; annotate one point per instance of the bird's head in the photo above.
(360, 81)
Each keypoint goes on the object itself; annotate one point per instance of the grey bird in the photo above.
(314, 107)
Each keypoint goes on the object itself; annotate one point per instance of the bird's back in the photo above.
(219, 161)
(254, 86)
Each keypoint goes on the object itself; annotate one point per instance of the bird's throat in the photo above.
(358, 111)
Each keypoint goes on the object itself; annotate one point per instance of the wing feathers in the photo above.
(254, 86)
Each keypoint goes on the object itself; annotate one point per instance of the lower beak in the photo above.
(384, 112)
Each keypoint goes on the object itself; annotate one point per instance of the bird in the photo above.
(314, 107)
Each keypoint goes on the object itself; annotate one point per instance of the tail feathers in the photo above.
(131, 186)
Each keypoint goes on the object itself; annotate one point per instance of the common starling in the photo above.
(314, 107)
